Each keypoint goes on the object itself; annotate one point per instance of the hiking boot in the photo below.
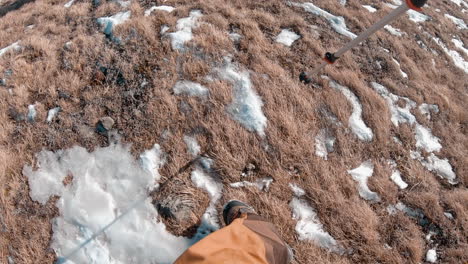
(234, 209)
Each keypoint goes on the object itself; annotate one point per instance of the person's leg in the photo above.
(277, 251)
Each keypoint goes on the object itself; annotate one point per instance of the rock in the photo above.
(15, 115)
(104, 125)
(64, 95)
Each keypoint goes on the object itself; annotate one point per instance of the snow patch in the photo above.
(336, 22)
(287, 37)
(459, 44)
(108, 23)
(403, 74)
(431, 256)
(324, 142)
(457, 21)
(441, 167)
(246, 107)
(164, 8)
(298, 191)
(394, 31)
(15, 46)
(261, 184)
(414, 16)
(32, 113)
(458, 59)
(425, 140)
(190, 89)
(192, 145)
(151, 161)
(52, 113)
(398, 114)
(370, 8)
(309, 227)
(236, 37)
(69, 4)
(426, 109)
(184, 30)
(359, 128)
(103, 182)
(361, 174)
(396, 176)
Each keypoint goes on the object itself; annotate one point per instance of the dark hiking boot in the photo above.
(234, 209)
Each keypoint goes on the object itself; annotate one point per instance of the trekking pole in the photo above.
(330, 58)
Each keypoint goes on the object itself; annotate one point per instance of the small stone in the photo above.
(64, 95)
(104, 125)
(2, 82)
(303, 77)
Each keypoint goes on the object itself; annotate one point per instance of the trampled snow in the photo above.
(262, 184)
(108, 23)
(398, 114)
(370, 8)
(359, 128)
(32, 113)
(431, 256)
(403, 74)
(324, 143)
(298, 191)
(192, 145)
(394, 31)
(425, 140)
(336, 22)
(459, 44)
(190, 89)
(457, 21)
(14, 46)
(309, 228)
(426, 109)
(396, 176)
(287, 37)
(458, 59)
(105, 184)
(52, 113)
(164, 8)
(69, 4)
(361, 174)
(246, 107)
(184, 30)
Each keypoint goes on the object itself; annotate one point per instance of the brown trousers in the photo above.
(248, 239)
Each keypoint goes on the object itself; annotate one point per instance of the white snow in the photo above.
(324, 142)
(190, 89)
(426, 109)
(184, 30)
(448, 215)
(359, 128)
(425, 140)
(51, 114)
(192, 145)
(414, 16)
(457, 21)
(152, 160)
(246, 107)
(15, 46)
(396, 176)
(441, 167)
(458, 59)
(164, 29)
(398, 114)
(106, 183)
(287, 37)
(69, 4)
(459, 44)
(431, 256)
(298, 191)
(343, 2)
(459, 2)
(336, 22)
(403, 74)
(235, 36)
(309, 228)
(261, 184)
(394, 31)
(361, 174)
(370, 8)
(108, 23)
(31, 113)
(164, 8)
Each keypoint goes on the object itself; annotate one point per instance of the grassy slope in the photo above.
(45, 69)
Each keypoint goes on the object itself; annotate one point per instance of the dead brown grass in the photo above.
(52, 74)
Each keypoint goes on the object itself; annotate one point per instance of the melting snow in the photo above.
(184, 30)
(426, 109)
(324, 142)
(425, 140)
(15, 46)
(235, 36)
(190, 88)
(287, 37)
(396, 176)
(431, 256)
(192, 145)
(108, 23)
(51, 114)
(459, 44)
(457, 21)
(261, 184)
(309, 227)
(398, 114)
(370, 8)
(31, 113)
(441, 167)
(458, 60)
(343, 2)
(336, 22)
(165, 8)
(414, 16)
(298, 191)
(105, 184)
(394, 31)
(459, 2)
(399, 67)
(246, 107)
(69, 4)
(448, 215)
(359, 128)
(361, 175)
